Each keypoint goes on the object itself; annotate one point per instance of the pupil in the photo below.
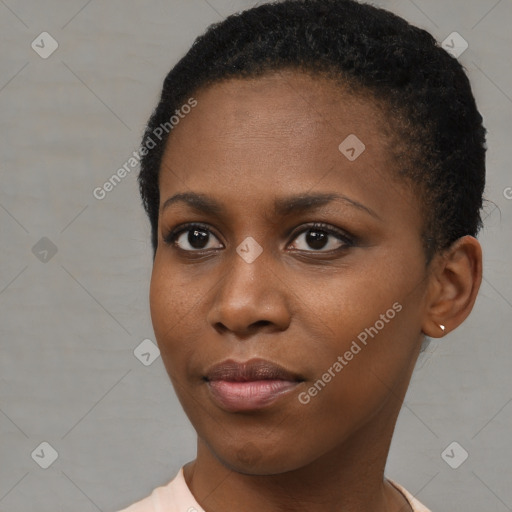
(200, 236)
(316, 239)
(198, 239)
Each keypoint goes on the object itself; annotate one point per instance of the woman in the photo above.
(313, 175)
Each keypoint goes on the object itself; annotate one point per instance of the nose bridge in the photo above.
(249, 292)
(247, 271)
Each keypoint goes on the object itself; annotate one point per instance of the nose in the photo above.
(250, 297)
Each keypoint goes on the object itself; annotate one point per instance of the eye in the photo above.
(193, 237)
(322, 238)
(318, 236)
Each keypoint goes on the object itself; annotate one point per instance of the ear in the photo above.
(454, 282)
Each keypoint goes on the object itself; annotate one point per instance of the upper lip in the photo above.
(251, 370)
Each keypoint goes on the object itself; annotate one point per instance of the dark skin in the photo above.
(247, 143)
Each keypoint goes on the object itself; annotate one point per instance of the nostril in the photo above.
(260, 323)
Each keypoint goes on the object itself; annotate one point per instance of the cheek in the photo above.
(171, 298)
(163, 314)
(178, 315)
(346, 304)
(169, 305)
(370, 319)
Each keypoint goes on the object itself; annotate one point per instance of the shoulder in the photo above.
(174, 496)
(416, 505)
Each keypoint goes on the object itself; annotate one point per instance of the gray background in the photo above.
(70, 322)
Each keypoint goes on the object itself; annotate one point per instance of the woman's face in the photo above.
(339, 306)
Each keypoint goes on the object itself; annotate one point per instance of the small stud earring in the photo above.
(442, 327)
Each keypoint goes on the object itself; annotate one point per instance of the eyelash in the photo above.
(347, 240)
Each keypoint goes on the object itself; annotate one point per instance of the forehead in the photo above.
(280, 133)
(289, 102)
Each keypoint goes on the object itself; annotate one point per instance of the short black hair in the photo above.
(439, 137)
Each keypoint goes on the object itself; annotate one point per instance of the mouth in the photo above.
(251, 385)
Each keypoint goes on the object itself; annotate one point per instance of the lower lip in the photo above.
(247, 396)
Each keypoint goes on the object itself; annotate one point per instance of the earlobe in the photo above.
(433, 330)
(454, 286)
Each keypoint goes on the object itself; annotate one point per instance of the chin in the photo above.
(251, 459)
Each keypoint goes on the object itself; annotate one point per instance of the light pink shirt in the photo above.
(176, 497)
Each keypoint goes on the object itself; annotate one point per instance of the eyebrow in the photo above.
(283, 206)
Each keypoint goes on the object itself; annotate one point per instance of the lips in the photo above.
(254, 384)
